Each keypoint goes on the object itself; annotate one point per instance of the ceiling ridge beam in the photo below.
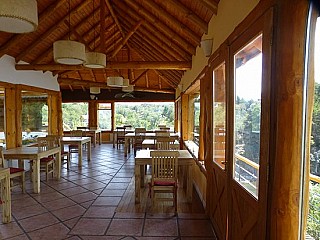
(177, 65)
(211, 5)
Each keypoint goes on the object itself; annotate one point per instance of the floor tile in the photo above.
(10, 230)
(100, 212)
(59, 203)
(54, 232)
(69, 212)
(195, 227)
(161, 227)
(132, 227)
(90, 226)
(37, 222)
(113, 201)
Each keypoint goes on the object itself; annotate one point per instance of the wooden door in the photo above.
(248, 126)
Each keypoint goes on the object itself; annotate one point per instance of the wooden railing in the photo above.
(315, 178)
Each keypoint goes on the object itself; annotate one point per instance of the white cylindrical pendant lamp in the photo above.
(94, 90)
(125, 82)
(18, 16)
(95, 60)
(69, 52)
(128, 88)
(115, 81)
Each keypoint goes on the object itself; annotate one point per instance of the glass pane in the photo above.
(196, 118)
(74, 115)
(247, 114)
(34, 116)
(104, 116)
(219, 115)
(147, 115)
(313, 220)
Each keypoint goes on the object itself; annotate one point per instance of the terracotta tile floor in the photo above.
(96, 202)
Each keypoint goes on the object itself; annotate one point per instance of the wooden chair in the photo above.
(47, 164)
(73, 148)
(140, 135)
(164, 179)
(121, 132)
(65, 155)
(15, 173)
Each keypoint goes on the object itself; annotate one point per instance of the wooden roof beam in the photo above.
(48, 32)
(169, 18)
(211, 5)
(162, 27)
(110, 65)
(137, 78)
(12, 42)
(124, 41)
(156, 39)
(189, 14)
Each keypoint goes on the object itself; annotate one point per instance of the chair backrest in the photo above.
(164, 165)
(164, 143)
(76, 133)
(165, 129)
(140, 135)
(161, 133)
(47, 142)
(121, 132)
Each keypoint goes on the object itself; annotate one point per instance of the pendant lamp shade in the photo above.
(94, 90)
(95, 60)
(125, 82)
(115, 81)
(69, 52)
(18, 16)
(128, 88)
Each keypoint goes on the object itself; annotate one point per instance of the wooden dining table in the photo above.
(81, 142)
(143, 158)
(34, 154)
(5, 196)
(129, 139)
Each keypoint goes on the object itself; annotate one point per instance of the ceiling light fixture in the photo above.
(67, 51)
(95, 59)
(115, 81)
(206, 46)
(94, 90)
(18, 16)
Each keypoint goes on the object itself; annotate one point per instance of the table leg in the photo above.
(80, 154)
(36, 175)
(94, 139)
(89, 150)
(6, 198)
(126, 143)
(58, 165)
(137, 183)
(99, 136)
(114, 139)
(142, 174)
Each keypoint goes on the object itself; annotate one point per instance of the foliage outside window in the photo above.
(219, 115)
(247, 114)
(34, 116)
(313, 219)
(147, 115)
(104, 116)
(74, 115)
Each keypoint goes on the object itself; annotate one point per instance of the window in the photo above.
(247, 115)
(74, 115)
(196, 118)
(104, 116)
(147, 115)
(219, 115)
(34, 116)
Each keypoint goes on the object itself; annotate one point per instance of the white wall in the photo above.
(230, 14)
(9, 74)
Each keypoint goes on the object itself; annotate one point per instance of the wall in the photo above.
(230, 14)
(9, 74)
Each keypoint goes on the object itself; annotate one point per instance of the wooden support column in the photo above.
(53, 117)
(93, 114)
(285, 165)
(10, 117)
(184, 117)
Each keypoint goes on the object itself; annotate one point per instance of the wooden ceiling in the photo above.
(150, 42)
